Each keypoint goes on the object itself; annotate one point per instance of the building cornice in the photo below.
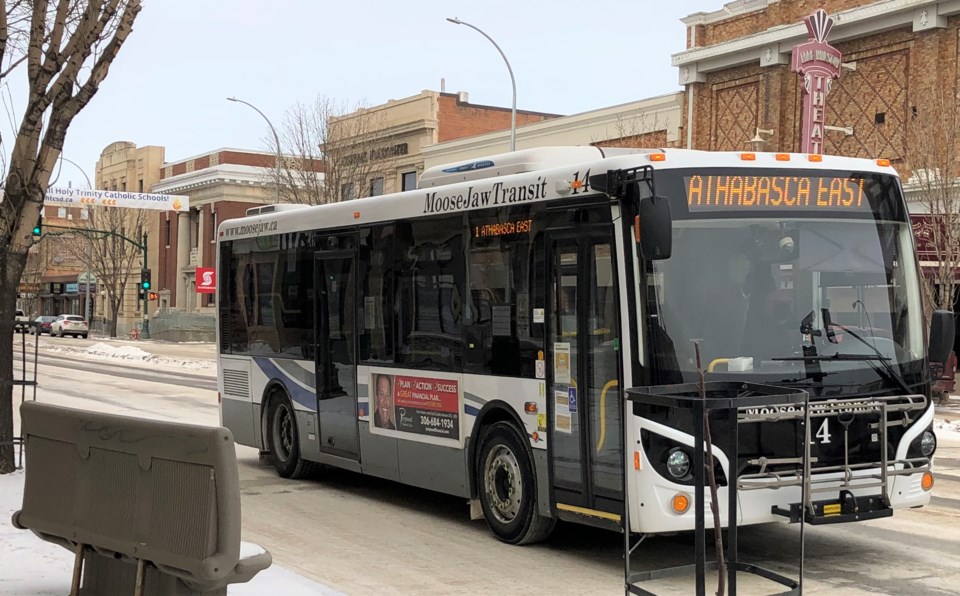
(729, 10)
(768, 47)
(221, 174)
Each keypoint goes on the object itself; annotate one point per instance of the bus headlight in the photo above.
(678, 463)
(928, 443)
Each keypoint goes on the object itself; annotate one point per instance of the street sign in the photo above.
(206, 280)
(115, 198)
(86, 277)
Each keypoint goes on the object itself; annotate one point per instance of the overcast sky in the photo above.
(168, 85)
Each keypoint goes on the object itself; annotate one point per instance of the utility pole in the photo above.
(145, 331)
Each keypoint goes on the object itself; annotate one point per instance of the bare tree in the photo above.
(935, 184)
(111, 258)
(643, 130)
(65, 48)
(330, 153)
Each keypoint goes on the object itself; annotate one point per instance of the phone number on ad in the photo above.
(436, 422)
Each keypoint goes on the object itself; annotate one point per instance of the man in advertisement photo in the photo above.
(383, 415)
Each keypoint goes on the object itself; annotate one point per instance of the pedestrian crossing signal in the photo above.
(152, 296)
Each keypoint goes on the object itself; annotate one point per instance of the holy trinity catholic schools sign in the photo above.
(818, 63)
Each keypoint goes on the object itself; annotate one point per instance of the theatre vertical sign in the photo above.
(819, 64)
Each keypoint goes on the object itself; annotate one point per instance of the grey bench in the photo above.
(147, 507)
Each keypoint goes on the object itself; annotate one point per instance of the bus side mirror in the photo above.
(654, 229)
(942, 331)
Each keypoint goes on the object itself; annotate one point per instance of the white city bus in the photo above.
(474, 336)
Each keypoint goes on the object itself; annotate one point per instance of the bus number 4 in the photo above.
(824, 433)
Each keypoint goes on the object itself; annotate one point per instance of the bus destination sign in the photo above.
(775, 193)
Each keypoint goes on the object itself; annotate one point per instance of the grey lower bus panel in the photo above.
(443, 469)
(243, 419)
(378, 454)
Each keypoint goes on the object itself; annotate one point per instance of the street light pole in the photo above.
(513, 82)
(88, 308)
(276, 138)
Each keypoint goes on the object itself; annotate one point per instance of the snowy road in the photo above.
(363, 535)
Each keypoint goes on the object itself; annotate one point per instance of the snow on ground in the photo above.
(947, 429)
(30, 566)
(132, 354)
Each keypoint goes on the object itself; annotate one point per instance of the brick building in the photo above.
(50, 281)
(389, 139)
(221, 185)
(653, 122)
(737, 76)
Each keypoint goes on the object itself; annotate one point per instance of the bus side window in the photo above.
(500, 335)
(375, 313)
(429, 282)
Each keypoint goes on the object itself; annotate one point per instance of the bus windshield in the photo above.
(763, 288)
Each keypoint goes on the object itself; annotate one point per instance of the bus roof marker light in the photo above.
(815, 157)
(657, 157)
(356, 215)
(883, 163)
(783, 157)
(748, 156)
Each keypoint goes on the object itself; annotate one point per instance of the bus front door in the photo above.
(336, 368)
(584, 403)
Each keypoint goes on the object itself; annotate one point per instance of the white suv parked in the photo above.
(74, 325)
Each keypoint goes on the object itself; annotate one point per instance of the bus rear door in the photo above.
(336, 359)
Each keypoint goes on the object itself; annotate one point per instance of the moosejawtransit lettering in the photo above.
(497, 195)
(257, 228)
(765, 192)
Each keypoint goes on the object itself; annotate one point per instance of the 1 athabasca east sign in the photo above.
(74, 197)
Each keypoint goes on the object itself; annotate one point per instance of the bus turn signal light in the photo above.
(636, 460)
(926, 483)
(680, 503)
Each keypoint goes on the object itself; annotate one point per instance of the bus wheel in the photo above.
(285, 441)
(508, 488)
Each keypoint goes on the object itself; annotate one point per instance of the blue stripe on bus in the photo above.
(298, 394)
(471, 410)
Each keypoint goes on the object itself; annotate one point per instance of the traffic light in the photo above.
(145, 279)
(38, 229)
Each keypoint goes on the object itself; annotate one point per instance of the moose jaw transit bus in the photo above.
(473, 336)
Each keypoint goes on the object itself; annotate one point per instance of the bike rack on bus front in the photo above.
(721, 397)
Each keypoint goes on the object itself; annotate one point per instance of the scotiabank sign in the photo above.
(206, 280)
(819, 64)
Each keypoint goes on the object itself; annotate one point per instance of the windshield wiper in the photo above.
(837, 356)
(885, 370)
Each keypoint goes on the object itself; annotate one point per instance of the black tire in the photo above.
(84, 336)
(285, 441)
(504, 469)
